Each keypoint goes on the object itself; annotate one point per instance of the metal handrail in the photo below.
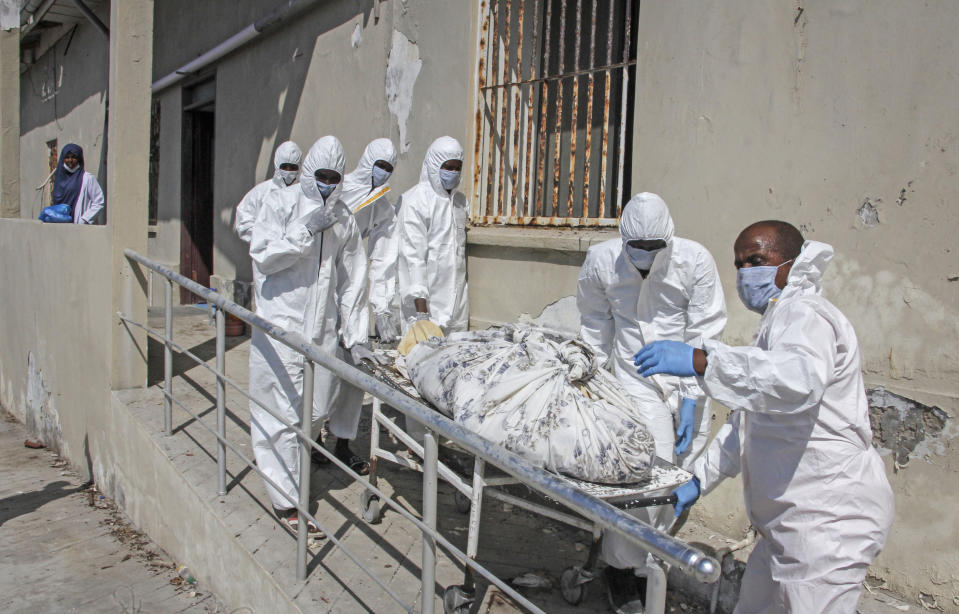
(689, 559)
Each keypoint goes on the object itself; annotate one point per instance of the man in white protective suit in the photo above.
(814, 486)
(431, 233)
(650, 285)
(431, 241)
(309, 276)
(365, 194)
(286, 163)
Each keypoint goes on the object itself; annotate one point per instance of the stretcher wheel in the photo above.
(463, 503)
(371, 507)
(456, 600)
(573, 583)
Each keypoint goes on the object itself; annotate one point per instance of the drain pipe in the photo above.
(258, 27)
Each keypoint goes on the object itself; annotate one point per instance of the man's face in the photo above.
(757, 247)
(452, 165)
(289, 166)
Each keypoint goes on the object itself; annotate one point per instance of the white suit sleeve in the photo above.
(597, 326)
(274, 244)
(723, 457)
(413, 249)
(246, 214)
(383, 254)
(351, 280)
(705, 314)
(789, 377)
(93, 195)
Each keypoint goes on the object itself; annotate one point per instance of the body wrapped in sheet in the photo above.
(542, 398)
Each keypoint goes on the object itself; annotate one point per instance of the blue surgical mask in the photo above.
(325, 189)
(449, 179)
(380, 176)
(757, 286)
(642, 259)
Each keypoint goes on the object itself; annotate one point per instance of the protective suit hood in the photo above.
(443, 149)
(362, 175)
(808, 269)
(327, 152)
(287, 153)
(646, 217)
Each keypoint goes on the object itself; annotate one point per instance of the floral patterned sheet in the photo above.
(539, 396)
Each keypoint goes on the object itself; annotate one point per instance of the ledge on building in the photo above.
(564, 239)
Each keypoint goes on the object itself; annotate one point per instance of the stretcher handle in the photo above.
(629, 504)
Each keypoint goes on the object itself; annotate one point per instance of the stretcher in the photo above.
(470, 491)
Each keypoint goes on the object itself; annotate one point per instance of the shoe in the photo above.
(622, 590)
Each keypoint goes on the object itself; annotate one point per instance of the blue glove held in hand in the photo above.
(684, 434)
(686, 495)
(669, 357)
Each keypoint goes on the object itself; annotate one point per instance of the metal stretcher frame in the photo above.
(469, 495)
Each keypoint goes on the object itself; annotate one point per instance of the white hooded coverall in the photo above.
(315, 286)
(681, 299)
(376, 220)
(287, 153)
(815, 488)
(431, 231)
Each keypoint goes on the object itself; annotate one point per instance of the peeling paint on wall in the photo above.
(357, 37)
(868, 214)
(41, 418)
(904, 427)
(402, 69)
(9, 14)
(561, 316)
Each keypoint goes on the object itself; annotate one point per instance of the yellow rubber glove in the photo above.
(421, 330)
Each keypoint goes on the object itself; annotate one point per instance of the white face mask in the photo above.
(449, 179)
(380, 176)
(288, 177)
(70, 170)
(642, 259)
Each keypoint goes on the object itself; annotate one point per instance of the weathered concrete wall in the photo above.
(323, 72)
(55, 296)
(63, 97)
(837, 117)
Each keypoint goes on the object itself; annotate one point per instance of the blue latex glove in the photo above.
(669, 357)
(684, 434)
(687, 494)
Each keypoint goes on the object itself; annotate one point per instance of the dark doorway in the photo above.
(196, 208)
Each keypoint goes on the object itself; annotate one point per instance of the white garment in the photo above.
(815, 487)
(376, 219)
(431, 231)
(681, 299)
(89, 201)
(246, 212)
(313, 285)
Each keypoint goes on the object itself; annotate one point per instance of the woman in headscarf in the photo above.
(75, 187)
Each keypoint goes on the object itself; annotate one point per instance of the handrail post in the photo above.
(430, 459)
(221, 401)
(306, 421)
(168, 359)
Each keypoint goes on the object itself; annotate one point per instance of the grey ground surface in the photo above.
(63, 548)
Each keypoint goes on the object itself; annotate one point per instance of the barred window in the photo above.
(555, 108)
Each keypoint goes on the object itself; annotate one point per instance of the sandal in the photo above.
(293, 521)
(354, 462)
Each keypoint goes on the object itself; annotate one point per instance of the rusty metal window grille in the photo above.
(554, 114)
